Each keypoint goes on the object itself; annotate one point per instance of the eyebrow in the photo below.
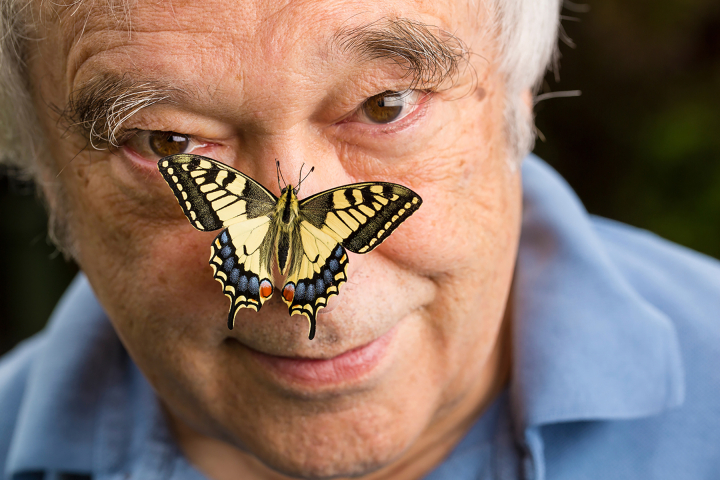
(99, 107)
(430, 55)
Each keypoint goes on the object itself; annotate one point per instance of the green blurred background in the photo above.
(641, 145)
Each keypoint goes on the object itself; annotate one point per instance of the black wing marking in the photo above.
(316, 276)
(212, 194)
(240, 260)
(362, 215)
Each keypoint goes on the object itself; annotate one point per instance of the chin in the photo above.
(325, 463)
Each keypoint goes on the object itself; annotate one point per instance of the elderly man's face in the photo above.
(410, 351)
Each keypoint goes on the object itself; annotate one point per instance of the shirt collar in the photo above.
(586, 345)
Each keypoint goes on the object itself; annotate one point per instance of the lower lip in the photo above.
(344, 368)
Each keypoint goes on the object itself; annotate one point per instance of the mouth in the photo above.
(348, 367)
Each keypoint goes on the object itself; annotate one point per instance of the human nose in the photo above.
(280, 158)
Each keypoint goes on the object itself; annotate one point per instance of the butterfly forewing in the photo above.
(362, 215)
(240, 261)
(213, 195)
(318, 271)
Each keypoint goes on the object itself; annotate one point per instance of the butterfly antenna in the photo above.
(279, 174)
(302, 179)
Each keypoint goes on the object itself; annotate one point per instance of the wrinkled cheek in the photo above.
(178, 268)
(435, 242)
(146, 272)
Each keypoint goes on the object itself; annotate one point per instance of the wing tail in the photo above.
(311, 319)
(316, 277)
(239, 260)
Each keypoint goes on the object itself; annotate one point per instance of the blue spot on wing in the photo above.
(300, 291)
(224, 238)
(234, 276)
(327, 274)
(254, 285)
(334, 265)
(226, 251)
(243, 283)
(229, 264)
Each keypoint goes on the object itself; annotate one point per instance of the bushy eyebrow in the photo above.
(431, 56)
(99, 107)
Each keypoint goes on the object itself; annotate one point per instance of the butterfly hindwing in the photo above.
(318, 270)
(362, 215)
(240, 260)
(213, 195)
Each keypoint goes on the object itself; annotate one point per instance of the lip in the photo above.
(347, 367)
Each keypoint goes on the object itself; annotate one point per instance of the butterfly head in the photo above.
(287, 206)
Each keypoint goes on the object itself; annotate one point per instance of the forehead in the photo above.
(239, 37)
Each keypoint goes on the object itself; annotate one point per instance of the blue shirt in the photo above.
(616, 369)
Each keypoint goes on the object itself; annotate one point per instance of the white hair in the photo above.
(527, 38)
(526, 32)
(18, 120)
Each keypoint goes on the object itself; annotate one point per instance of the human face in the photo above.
(261, 81)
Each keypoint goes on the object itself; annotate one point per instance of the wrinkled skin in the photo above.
(264, 85)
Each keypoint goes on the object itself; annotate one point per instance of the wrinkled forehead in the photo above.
(127, 32)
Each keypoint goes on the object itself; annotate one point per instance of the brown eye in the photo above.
(388, 107)
(168, 143)
(381, 108)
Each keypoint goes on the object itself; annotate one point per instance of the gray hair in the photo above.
(526, 32)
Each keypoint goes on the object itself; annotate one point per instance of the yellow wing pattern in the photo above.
(213, 195)
(362, 215)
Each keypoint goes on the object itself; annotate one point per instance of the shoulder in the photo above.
(15, 367)
(682, 283)
(680, 442)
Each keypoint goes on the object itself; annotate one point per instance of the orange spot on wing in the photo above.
(289, 292)
(266, 289)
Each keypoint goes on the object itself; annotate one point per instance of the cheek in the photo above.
(136, 247)
(176, 270)
(458, 230)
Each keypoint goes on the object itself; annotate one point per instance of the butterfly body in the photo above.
(305, 239)
(286, 217)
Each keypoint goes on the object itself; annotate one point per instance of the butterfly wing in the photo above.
(212, 194)
(317, 271)
(357, 217)
(240, 261)
(362, 215)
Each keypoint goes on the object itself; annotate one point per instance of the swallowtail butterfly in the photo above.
(306, 238)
